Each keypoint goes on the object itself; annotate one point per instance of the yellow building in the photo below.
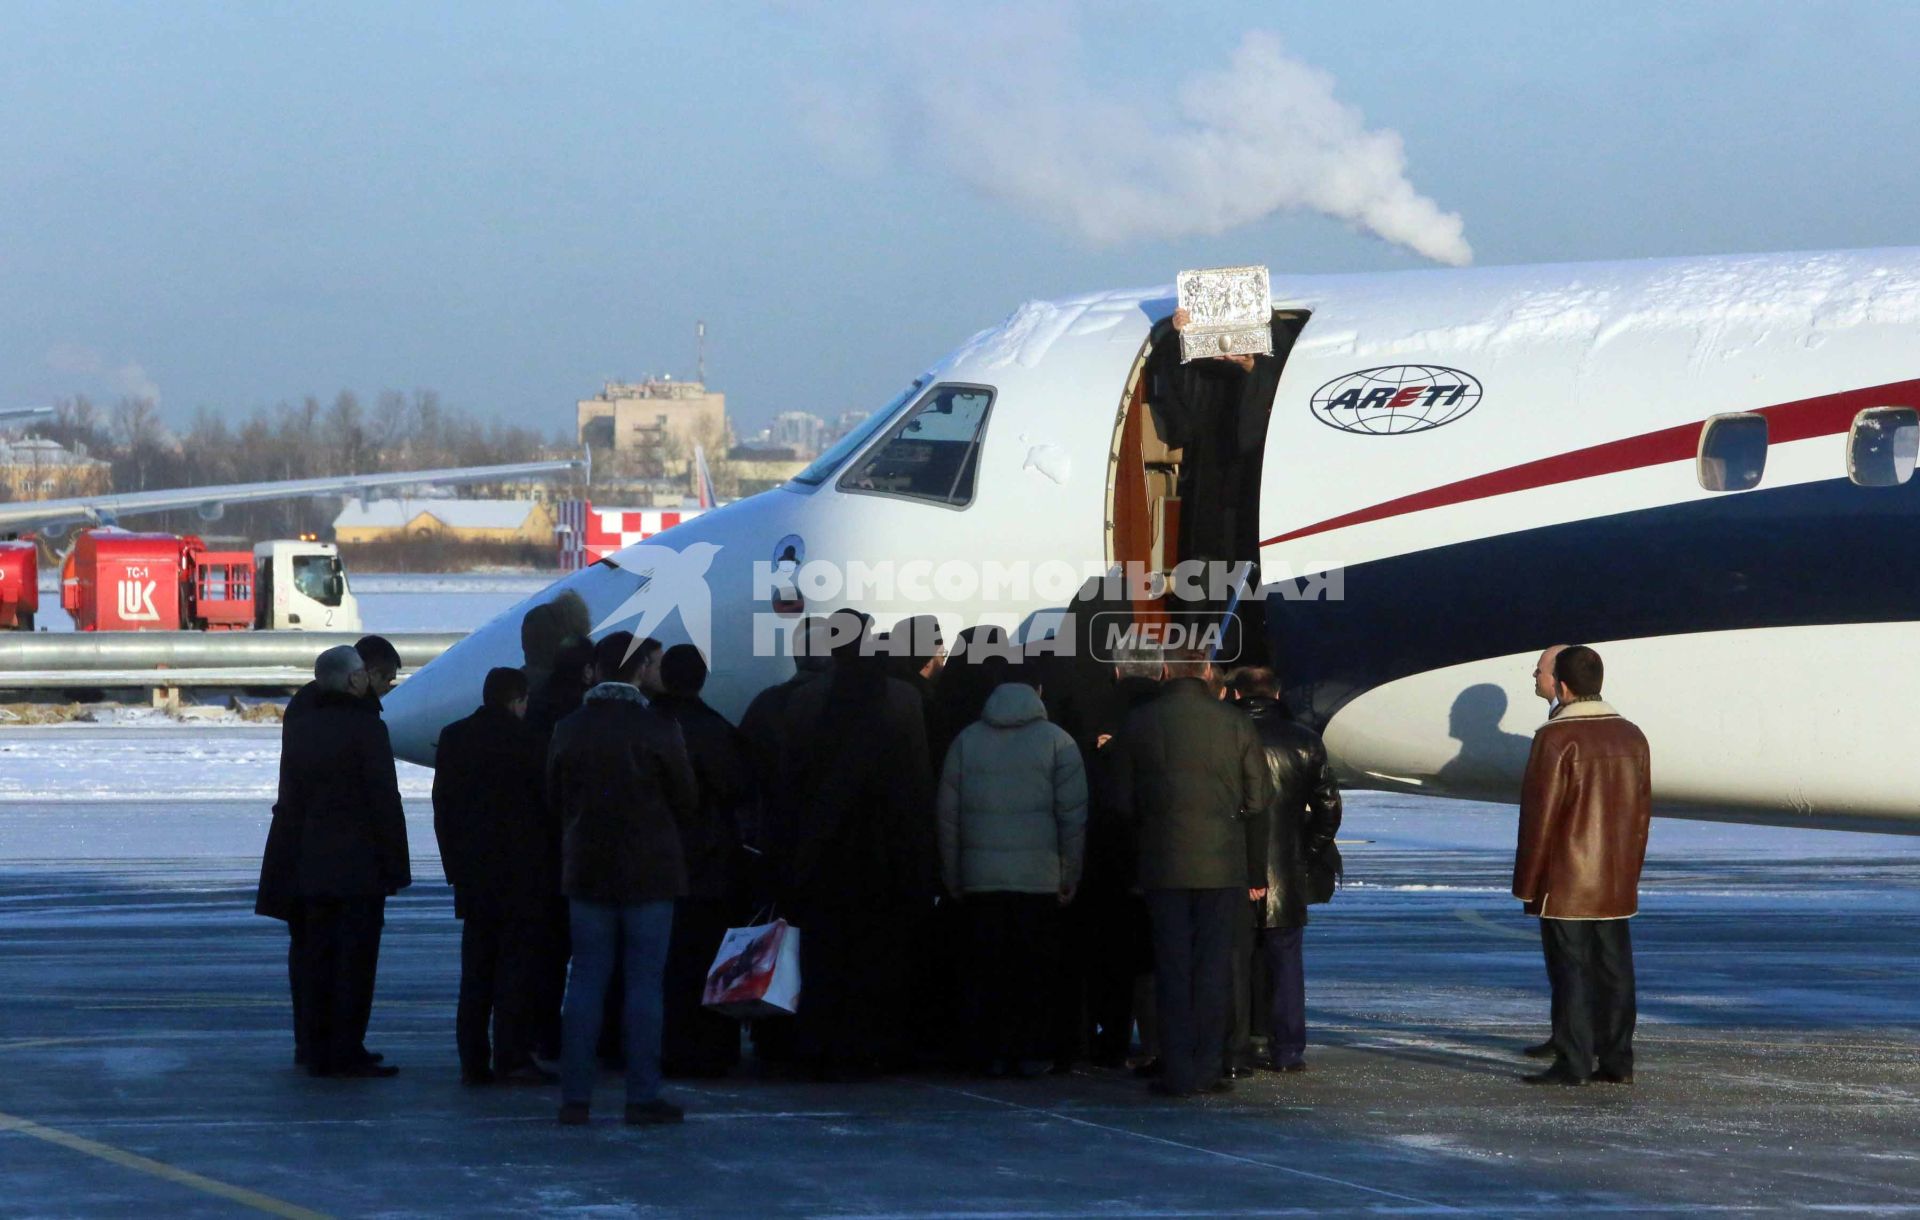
(661, 419)
(528, 521)
(39, 469)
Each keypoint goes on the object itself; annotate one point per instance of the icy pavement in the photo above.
(142, 1031)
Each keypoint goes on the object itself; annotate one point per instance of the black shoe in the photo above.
(476, 1078)
(527, 1073)
(1539, 1050)
(652, 1113)
(573, 1114)
(1237, 1072)
(1147, 1070)
(365, 1070)
(1219, 1084)
(1161, 1088)
(1555, 1075)
(1603, 1076)
(1296, 1065)
(1031, 1069)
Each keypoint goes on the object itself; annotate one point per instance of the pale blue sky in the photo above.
(510, 202)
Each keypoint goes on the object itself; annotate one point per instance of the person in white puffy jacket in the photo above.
(1013, 816)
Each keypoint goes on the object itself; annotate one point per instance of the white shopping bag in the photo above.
(756, 973)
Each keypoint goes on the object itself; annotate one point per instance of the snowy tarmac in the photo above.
(145, 1067)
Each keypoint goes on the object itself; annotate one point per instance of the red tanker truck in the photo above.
(118, 581)
(113, 580)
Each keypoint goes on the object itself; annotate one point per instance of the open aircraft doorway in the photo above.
(1184, 478)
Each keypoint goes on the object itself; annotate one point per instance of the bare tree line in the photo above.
(290, 440)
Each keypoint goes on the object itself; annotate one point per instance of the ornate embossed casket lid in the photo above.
(1229, 312)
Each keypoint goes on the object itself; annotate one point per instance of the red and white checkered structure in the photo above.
(588, 534)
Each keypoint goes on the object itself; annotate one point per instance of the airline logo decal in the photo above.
(1396, 399)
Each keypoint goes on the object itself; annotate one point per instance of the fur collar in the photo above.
(1580, 709)
(616, 692)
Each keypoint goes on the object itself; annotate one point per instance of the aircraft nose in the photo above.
(692, 583)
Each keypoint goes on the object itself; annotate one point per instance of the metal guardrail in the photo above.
(174, 659)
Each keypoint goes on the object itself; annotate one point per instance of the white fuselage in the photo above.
(1762, 638)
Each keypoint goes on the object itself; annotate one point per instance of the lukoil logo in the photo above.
(1396, 399)
(136, 601)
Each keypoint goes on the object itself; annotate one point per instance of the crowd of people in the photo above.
(1000, 861)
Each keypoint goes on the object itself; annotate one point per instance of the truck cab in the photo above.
(302, 587)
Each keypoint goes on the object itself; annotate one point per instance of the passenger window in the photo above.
(1883, 446)
(932, 453)
(1733, 452)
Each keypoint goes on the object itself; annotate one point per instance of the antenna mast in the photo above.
(700, 351)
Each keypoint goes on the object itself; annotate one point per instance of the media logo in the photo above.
(1396, 399)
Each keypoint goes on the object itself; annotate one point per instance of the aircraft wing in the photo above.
(102, 510)
(24, 412)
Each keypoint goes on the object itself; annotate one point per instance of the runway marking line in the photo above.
(1328, 1179)
(159, 1169)
(1470, 916)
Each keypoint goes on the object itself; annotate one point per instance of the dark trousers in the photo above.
(852, 981)
(1590, 964)
(696, 1041)
(498, 948)
(341, 955)
(1240, 1029)
(296, 956)
(1286, 996)
(548, 978)
(1012, 956)
(1193, 979)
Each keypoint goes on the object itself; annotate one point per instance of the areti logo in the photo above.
(1396, 399)
(136, 601)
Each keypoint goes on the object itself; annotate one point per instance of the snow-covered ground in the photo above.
(154, 771)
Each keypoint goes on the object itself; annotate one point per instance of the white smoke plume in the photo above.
(129, 380)
(1013, 112)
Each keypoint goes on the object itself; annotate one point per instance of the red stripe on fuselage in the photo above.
(1827, 415)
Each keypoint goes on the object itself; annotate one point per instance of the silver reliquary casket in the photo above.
(1229, 313)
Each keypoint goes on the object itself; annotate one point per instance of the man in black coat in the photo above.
(763, 728)
(490, 817)
(277, 897)
(342, 801)
(697, 1042)
(859, 787)
(619, 780)
(1304, 818)
(1120, 944)
(1192, 780)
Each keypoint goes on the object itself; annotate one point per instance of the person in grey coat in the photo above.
(1012, 811)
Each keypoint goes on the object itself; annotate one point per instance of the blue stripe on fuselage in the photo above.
(1814, 553)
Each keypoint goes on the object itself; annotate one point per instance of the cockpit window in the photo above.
(932, 453)
(828, 462)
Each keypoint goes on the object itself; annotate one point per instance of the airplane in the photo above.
(55, 517)
(13, 413)
(1700, 466)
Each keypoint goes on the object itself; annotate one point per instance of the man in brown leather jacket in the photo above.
(1584, 810)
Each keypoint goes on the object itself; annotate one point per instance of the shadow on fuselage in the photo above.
(1491, 761)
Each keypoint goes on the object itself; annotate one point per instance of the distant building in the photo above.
(800, 431)
(648, 417)
(39, 469)
(528, 521)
